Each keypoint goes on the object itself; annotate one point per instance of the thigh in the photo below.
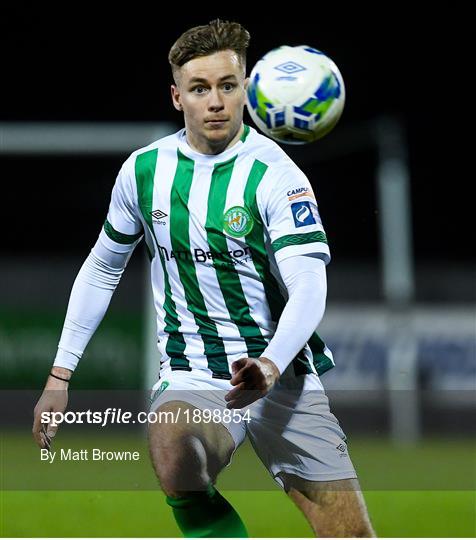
(205, 404)
(333, 508)
(186, 446)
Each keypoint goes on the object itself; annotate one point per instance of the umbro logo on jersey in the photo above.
(342, 450)
(157, 215)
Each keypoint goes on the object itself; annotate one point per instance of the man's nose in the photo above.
(215, 102)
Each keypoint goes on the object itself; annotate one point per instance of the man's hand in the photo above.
(53, 399)
(252, 378)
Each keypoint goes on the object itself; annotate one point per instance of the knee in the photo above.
(180, 463)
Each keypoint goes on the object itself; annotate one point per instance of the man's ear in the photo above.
(176, 97)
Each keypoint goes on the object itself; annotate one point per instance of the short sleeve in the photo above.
(290, 211)
(123, 224)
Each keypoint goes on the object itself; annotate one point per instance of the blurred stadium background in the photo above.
(85, 91)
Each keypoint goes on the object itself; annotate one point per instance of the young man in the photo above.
(238, 256)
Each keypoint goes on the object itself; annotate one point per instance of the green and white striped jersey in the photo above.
(215, 227)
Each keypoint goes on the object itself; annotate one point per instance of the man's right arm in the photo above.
(90, 297)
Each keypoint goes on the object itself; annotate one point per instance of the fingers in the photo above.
(40, 439)
(40, 436)
(236, 367)
(51, 431)
(51, 401)
(243, 398)
(242, 395)
(46, 439)
(244, 369)
(36, 430)
(238, 364)
(235, 392)
(43, 435)
(248, 381)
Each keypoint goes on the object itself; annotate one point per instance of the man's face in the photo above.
(211, 92)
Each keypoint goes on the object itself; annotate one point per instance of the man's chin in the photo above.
(218, 135)
(217, 129)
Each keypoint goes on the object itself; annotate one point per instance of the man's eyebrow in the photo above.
(221, 79)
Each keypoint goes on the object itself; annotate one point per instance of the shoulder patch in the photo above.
(305, 213)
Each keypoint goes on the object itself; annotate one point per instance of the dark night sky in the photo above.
(113, 67)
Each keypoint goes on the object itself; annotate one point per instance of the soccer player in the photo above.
(238, 255)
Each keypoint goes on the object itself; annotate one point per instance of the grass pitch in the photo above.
(427, 491)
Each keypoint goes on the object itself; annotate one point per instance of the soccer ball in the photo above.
(295, 95)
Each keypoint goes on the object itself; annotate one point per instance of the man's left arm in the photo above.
(306, 282)
(286, 205)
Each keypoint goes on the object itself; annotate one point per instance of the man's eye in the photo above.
(228, 87)
(199, 89)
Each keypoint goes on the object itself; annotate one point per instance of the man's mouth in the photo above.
(216, 121)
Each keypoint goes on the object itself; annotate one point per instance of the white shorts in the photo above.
(291, 429)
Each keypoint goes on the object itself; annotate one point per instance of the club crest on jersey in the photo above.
(237, 222)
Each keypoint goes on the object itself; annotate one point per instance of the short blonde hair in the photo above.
(213, 37)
